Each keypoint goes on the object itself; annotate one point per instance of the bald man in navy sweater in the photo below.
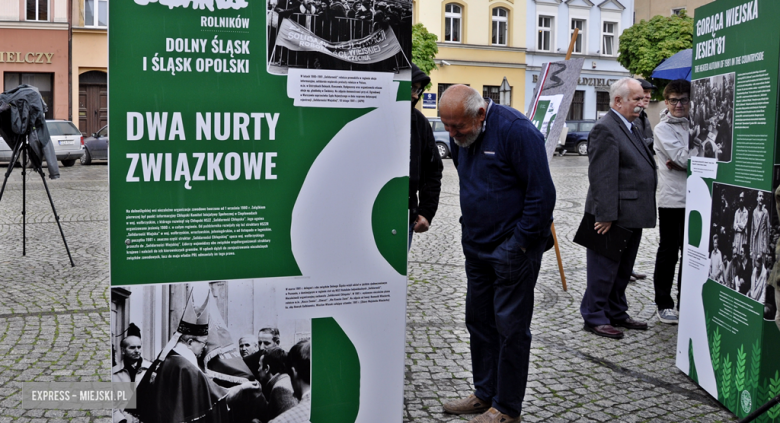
(506, 198)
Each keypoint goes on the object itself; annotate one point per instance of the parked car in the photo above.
(67, 140)
(442, 137)
(577, 138)
(5, 151)
(96, 146)
(65, 137)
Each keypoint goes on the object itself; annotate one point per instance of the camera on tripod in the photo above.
(23, 127)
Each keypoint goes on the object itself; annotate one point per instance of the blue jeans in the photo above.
(499, 308)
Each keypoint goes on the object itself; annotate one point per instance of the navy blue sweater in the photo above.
(505, 183)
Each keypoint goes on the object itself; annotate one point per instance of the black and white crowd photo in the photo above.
(741, 256)
(712, 117)
(210, 352)
(355, 35)
(770, 306)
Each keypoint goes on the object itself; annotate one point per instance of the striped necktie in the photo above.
(635, 132)
(640, 140)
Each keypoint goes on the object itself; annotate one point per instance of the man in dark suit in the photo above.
(642, 122)
(622, 177)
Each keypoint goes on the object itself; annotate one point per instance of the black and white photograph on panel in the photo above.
(770, 306)
(205, 351)
(740, 254)
(712, 117)
(352, 35)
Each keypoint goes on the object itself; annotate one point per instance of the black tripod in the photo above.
(23, 148)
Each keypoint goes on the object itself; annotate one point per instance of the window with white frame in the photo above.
(608, 39)
(95, 12)
(544, 39)
(678, 11)
(37, 10)
(578, 43)
(500, 26)
(452, 23)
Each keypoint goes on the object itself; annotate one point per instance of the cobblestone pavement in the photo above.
(574, 376)
(54, 318)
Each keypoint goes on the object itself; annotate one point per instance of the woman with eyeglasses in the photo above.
(671, 154)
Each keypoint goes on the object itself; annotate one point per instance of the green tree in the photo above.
(647, 43)
(424, 48)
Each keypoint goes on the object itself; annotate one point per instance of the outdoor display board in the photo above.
(727, 340)
(258, 174)
(552, 98)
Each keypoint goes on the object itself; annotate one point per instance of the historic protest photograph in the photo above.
(210, 352)
(359, 35)
(740, 252)
(712, 117)
(770, 306)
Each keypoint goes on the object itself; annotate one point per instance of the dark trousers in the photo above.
(499, 307)
(604, 300)
(671, 226)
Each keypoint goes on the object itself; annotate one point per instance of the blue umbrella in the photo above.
(676, 67)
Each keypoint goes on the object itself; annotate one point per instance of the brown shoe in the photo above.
(494, 416)
(469, 405)
(606, 331)
(631, 324)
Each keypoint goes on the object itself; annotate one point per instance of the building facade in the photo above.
(34, 50)
(89, 65)
(481, 42)
(71, 76)
(549, 28)
(646, 9)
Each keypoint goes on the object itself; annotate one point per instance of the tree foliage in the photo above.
(424, 48)
(647, 43)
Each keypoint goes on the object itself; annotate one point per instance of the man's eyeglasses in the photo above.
(418, 91)
(674, 101)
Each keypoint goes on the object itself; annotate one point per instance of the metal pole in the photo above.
(763, 409)
(24, 197)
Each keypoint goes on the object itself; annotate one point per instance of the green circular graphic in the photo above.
(746, 401)
(694, 228)
(390, 222)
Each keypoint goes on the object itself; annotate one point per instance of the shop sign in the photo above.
(29, 57)
(589, 82)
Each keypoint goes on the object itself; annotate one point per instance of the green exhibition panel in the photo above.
(727, 338)
(258, 171)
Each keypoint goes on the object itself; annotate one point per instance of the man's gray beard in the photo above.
(470, 138)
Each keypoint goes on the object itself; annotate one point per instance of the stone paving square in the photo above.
(54, 319)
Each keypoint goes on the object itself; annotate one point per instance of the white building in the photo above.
(549, 29)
